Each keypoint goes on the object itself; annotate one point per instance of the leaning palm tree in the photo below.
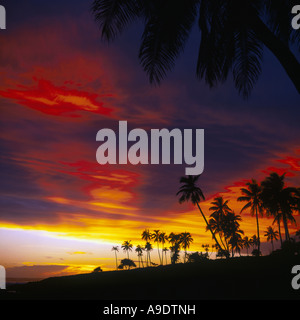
(185, 239)
(233, 36)
(190, 191)
(127, 246)
(116, 249)
(271, 235)
(252, 195)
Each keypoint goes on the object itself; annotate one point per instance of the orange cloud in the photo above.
(56, 101)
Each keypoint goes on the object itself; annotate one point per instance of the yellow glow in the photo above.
(82, 102)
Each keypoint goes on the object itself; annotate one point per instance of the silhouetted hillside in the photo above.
(266, 277)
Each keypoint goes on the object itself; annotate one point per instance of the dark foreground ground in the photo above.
(266, 277)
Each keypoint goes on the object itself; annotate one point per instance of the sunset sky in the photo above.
(61, 212)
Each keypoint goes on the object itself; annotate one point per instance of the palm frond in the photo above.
(113, 16)
(247, 62)
(165, 35)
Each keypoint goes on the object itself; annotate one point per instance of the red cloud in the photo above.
(57, 101)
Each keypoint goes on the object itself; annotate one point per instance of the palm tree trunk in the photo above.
(116, 261)
(281, 51)
(272, 245)
(279, 231)
(158, 252)
(209, 226)
(286, 229)
(257, 226)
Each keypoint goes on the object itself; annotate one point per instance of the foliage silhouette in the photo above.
(116, 249)
(271, 235)
(280, 201)
(126, 263)
(127, 246)
(190, 191)
(252, 195)
(233, 34)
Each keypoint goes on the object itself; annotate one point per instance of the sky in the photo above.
(61, 211)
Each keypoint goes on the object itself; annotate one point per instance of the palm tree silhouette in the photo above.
(175, 241)
(186, 239)
(146, 235)
(148, 248)
(246, 243)
(139, 251)
(280, 201)
(165, 251)
(156, 237)
(271, 235)
(252, 195)
(254, 242)
(116, 249)
(232, 231)
(190, 191)
(233, 34)
(220, 209)
(162, 239)
(127, 246)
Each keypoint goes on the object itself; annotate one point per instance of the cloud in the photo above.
(36, 271)
(57, 101)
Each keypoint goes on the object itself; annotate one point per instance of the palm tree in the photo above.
(165, 251)
(162, 239)
(220, 209)
(233, 34)
(280, 201)
(116, 249)
(148, 248)
(127, 246)
(175, 241)
(236, 242)
(271, 235)
(252, 195)
(139, 251)
(232, 231)
(254, 242)
(146, 235)
(186, 239)
(246, 243)
(190, 191)
(156, 237)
